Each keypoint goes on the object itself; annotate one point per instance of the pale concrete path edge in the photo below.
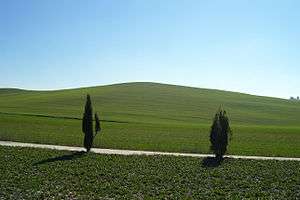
(135, 152)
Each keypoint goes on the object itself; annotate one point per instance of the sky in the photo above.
(249, 46)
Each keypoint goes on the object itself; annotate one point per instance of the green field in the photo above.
(152, 116)
(46, 174)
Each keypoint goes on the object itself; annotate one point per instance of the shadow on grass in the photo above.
(57, 117)
(66, 157)
(211, 162)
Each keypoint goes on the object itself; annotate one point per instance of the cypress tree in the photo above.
(219, 134)
(97, 124)
(87, 124)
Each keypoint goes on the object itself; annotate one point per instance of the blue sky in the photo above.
(248, 46)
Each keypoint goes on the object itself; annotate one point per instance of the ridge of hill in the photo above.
(155, 103)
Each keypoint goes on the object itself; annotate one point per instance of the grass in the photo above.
(246, 140)
(45, 174)
(150, 116)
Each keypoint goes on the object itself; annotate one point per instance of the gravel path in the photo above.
(133, 152)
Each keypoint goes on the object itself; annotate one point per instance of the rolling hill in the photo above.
(152, 102)
(152, 116)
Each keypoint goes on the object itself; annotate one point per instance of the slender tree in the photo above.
(87, 124)
(97, 124)
(219, 134)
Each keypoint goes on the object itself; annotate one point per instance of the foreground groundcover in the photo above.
(27, 173)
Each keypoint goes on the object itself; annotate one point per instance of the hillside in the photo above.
(152, 102)
(152, 116)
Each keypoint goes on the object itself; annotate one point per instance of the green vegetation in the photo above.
(45, 174)
(219, 134)
(152, 116)
(87, 124)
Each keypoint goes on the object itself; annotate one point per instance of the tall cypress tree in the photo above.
(219, 134)
(87, 124)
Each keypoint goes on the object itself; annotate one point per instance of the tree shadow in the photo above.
(73, 156)
(211, 162)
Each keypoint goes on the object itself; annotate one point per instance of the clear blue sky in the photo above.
(250, 46)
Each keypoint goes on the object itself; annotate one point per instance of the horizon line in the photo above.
(136, 82)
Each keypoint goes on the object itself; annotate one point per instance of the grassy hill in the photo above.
(155, 102)
(152, 116)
